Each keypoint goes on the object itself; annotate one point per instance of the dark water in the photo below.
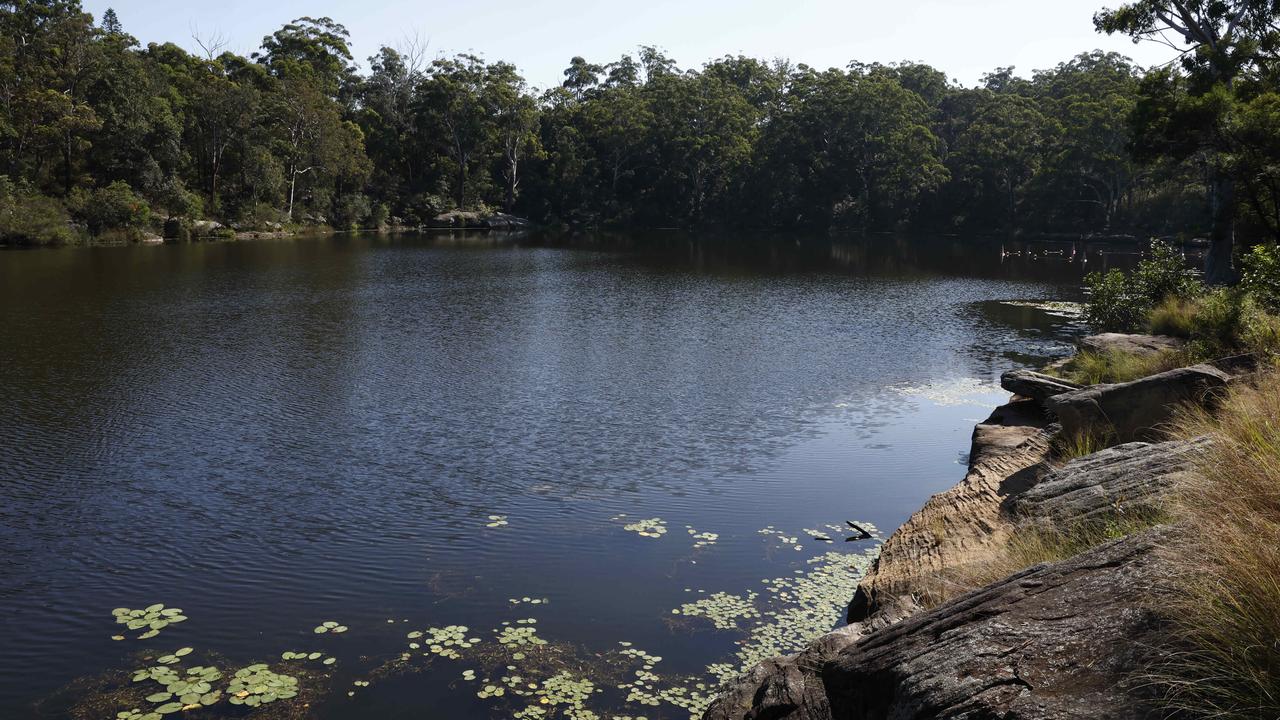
(274, 434)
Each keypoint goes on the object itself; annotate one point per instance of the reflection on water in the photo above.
(271, 435)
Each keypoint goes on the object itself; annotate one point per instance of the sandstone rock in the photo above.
(1135, 344)
(476, 221)
(1123, 479)
(1034, 385)
(1136, 410)
(959, 526)
(202, 228)
(1053, 641)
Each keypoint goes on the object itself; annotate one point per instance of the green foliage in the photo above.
(28, 218)
(638, 141)
(114, 207)
(1090, 368)
(1261, 276)
(1121, 302)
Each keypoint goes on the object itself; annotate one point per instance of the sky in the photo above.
(964, 38)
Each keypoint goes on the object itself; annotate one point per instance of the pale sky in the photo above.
(964, 38)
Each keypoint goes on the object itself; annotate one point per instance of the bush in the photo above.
(1121, 302)
(1260, 276)
(378, 216)
(349, 211)
(114, 207)
(179, 202)
(29, 218)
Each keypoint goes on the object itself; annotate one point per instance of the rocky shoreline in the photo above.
(1064, 639)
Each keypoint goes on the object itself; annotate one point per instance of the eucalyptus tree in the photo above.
(1218, 43)
(515, 116)
(451, 112)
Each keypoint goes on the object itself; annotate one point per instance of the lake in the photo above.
(623, 448)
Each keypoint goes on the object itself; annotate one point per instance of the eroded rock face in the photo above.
(959, 526)
(1137, 410)
(1048, 642)
(1134, 344)
(1124, 479)
(1034, 385)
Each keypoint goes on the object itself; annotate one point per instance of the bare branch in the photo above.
(212, 44)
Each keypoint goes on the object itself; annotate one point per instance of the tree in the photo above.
(1218, 41)
(1004, 147)
(450, 108)
(515, 118)
(581, 76)
(319, 44)
(111, 23)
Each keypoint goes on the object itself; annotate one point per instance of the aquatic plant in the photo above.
(497, 521)
(153, 617)
(650, 528)
(257, 684)
(445, 641)
(702, 539)
(329, 626)
(722, 609)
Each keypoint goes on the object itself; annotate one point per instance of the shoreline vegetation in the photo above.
(104, 140)
(1113, 550)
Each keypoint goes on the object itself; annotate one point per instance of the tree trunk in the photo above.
(462, 184)
(1217, 267)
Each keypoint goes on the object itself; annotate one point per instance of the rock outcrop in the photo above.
(1136, 410)
(1034, 385)
(1129, 478)
(1134, 344)
(1048, 642)
(470, 220)
(959, 526)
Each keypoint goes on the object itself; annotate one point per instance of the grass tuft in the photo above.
(1036, 543)
(1114, 366)
(1227, 619)
(1069, 446)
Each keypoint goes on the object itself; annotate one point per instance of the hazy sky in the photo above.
(965, 38)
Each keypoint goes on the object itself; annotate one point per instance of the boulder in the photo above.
(470, 219)
(960, 526)
(203, 228)
(1133, 344)
(1034, 385)
(1136, 410)
(1060, 641)
(1129, 478)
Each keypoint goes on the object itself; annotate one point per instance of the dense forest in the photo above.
(99, 135)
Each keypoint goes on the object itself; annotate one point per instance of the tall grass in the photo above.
(1038, 542)
(1228, 617)
(1113, 366)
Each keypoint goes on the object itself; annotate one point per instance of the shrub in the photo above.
(349, 211)
(114, 207)
(179, 202)
(29, 218)
(378, 216)
(1260, 276)
(1120, 302)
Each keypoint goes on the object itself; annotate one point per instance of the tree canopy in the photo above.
(296, 133)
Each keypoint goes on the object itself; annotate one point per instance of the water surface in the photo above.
(274, 434)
